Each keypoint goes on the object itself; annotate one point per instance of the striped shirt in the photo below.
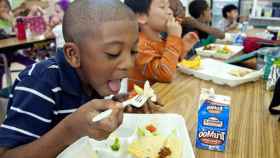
(42, 95)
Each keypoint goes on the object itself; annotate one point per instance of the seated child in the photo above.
(53, 102)
(188, 22)
(191, 24)
(200, 10)
(229, 22)
(178, 9)
(7, 21)
(157, 58)
(54, 29)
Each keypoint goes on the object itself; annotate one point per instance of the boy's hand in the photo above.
(80, 123)
(173, 27)
(190, 39)
(148, 107)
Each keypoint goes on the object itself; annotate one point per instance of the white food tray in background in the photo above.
(213, 53)
(165, 123)
(218, 72)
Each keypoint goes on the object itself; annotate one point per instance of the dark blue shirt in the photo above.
(42, 95)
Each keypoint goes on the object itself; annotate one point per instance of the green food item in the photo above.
(277, 62)
(140, 132)
(174, 132)
(222, 51)
(138, 90)
(155, 134)
(116, 145)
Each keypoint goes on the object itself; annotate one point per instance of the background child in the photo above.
(157, 58)
(200, 10)
(7, 21)
(229, 22)
(55, 25)
(191, 24)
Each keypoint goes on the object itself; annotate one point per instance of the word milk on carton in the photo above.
(213, 119)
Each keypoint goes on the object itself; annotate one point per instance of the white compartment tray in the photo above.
(213, 53)
(218, 72)
(166, 123)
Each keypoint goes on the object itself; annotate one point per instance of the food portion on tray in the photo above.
(219, 51)
(140, 136)
(222, 73)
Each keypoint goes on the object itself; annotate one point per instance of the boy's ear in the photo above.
(142, 18)
(72, 54)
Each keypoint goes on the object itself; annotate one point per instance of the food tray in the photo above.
(85, 147)
(218, 72)
(234, 50)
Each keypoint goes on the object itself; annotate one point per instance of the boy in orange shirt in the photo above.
(157, 57)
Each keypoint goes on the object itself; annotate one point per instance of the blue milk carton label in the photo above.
(213, 119)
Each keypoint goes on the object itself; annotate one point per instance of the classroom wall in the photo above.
(185, 2)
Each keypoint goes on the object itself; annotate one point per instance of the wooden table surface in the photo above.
(14, 42)
(253, 132)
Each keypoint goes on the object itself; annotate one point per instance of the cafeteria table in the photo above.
(253, 131)
(10, 45)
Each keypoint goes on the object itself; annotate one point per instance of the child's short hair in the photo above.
(228, 8)
(84, 17)
(197, 7)
(139, 6)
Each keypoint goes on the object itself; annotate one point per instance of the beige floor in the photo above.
(14, 66)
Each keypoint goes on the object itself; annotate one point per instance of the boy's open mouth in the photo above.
(114, 85)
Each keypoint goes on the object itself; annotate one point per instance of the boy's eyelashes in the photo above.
(133, 52)
(112, 55)
(115, 55)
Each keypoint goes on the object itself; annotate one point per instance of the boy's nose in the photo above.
(169, 12)
(127, 62)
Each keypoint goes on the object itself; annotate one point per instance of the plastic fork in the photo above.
(137, 101)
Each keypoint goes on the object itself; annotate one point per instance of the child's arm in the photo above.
(232, 26)
(203, 27)
(69, 130)
(27, 130)
(160, 68)
(190, 39)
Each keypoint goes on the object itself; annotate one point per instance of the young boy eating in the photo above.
(53, 102)
(157, 58)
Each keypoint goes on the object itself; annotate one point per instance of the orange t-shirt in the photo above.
(155, 61)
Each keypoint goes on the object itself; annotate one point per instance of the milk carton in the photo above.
(213, 119)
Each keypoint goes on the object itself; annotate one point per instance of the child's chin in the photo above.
(104, 92)
(108, 92)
